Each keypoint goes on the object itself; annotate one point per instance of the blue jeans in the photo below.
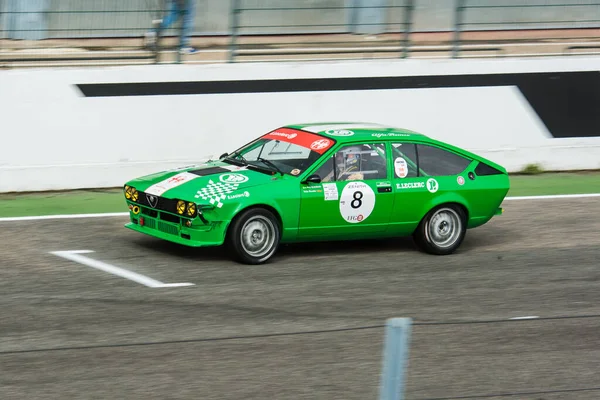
(181, 8)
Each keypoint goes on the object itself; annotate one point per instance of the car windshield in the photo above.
(285, 150)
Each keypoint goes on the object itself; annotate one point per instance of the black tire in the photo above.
(254, 235)
(442, 230)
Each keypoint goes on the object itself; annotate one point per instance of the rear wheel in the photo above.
(442, 230)
(254, 236)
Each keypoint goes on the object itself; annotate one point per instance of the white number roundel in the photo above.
(320, 144)
(357, 202)
(400, 167)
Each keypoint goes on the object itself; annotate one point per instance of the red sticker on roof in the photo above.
(311, 141)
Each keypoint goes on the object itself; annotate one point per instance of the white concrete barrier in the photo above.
(58, 135)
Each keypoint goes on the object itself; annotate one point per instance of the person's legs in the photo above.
(169, 18)
(187, 26)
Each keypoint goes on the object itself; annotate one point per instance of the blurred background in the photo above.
(50, 32)
(513, 314)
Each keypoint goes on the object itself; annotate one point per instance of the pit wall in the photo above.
(98, 127)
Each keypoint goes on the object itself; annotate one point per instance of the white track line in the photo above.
(75, 255)
(527, 317)
(554, 196)
(124, 214)
(64, 216)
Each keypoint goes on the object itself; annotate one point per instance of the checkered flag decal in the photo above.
(215, 192)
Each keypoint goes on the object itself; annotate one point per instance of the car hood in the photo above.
(201, 182)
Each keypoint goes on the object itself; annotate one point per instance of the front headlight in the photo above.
(131, 193)
(191, 210)
(188, 209)
(180, 207)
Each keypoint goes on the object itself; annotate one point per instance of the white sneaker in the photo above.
(188, 50)
(149, 39)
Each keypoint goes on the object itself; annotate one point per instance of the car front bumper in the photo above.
(196, 235)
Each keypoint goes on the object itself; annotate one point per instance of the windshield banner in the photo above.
(311, 141)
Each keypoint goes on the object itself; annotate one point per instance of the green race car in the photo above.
(326, 181)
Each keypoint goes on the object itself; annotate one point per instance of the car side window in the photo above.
(325, 171)
(434, 161)
(355, 162)
(404, 159)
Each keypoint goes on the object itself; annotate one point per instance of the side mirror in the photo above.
(223, 155)
(314, 178)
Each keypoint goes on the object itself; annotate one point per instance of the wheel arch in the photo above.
(442, 201)
(463, 207)
(421, 234)
(265, 206)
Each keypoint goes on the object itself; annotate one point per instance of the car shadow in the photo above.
(164, 247)
(322, 248)
(329, 247)
(474, 239)
(486, 237)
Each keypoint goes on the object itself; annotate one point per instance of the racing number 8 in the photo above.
(357, 202)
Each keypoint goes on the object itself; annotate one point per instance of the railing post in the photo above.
(458, 15)
(179, 47)
(235, 10)
(3, 23)
(395, 358)
(156, 23)
(408, 12)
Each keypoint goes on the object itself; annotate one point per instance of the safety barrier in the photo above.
(51, 33)
(98, 127)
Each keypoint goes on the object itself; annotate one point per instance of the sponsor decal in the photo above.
(410, 185)
(176, 179)
(378, 184)
(320, 144)
(389, 134)
(295, 171)
(400, 167)
(460, 180)
(432, 185)
(330, 191)
(152, 200)
(339, 132)
(233, 178)
(216, 192)
(300, 138)
(283, 134)
(357, 202)
(239, 195)
(312, 190)
(161, 187)
(234, 168)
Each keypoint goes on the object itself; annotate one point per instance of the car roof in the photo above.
(353, 131)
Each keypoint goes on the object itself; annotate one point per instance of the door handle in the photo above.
(384, 189)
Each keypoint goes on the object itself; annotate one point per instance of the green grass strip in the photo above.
(555, 183)
(68, 202)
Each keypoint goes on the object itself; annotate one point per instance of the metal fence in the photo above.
(541, 24)
(45, 31)
(57, 32)
(332, 30)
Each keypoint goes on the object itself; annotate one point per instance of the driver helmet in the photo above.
(349, 159)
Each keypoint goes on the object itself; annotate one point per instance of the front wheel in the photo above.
(254, 236)
(442, 230)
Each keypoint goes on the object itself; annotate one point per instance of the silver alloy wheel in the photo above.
(444, 227)
(258, 236)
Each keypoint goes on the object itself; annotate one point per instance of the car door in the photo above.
(353, 198)
(421, 172)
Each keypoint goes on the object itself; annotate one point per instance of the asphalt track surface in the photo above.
(69, 331)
